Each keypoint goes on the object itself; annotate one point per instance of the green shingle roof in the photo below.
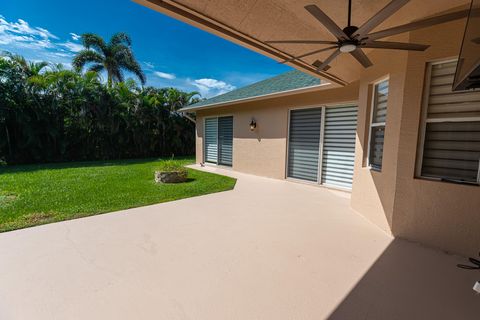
(292, 80)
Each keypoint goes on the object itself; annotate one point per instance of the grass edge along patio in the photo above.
(38, 194)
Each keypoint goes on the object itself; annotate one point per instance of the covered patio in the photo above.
(395, 61)
(269, 249)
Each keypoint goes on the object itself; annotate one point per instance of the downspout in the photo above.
(184, 114)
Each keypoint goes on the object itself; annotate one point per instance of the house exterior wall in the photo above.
(441, 214)
(263, 151)
(373, 192)
(438, 214)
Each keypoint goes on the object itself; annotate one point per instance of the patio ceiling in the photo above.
(251, 23)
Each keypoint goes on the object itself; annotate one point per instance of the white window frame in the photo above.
(376, 124)
(424, 120)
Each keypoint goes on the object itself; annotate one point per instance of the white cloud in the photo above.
(149, 65)
(61, 54)
(73, 47)
(163, 75)
(75, 37)
(212, 87)
(36, 43)
(22, 27)
(22, 34)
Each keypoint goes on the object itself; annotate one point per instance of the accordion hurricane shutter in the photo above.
(218, 144)
(451, 148)
(225, 140)
(339, 146)
(377, 127)
(304, 144)
(325, 149)
(211, 140)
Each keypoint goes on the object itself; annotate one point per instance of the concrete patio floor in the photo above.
(267, 250)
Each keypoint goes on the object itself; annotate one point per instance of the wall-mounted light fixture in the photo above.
(253, 125)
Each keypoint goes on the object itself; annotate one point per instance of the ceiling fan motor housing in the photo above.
(350, 44)
(350, 30)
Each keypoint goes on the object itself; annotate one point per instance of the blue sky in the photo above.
(173, 54)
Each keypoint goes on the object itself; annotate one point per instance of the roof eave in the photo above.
(321, 86)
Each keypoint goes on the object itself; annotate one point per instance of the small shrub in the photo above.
(172, 166)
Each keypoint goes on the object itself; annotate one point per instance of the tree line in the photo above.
(51, 114)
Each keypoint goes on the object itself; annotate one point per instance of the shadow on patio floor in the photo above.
(412, 282)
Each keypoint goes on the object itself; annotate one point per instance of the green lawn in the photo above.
(38, 194)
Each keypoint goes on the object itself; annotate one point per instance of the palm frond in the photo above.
(191, 95)
(38, 81)
(120, 38)
(127, 61)
(117, 75)
(57, 66)
(92, 76)
(98, 67)
(131, 84)
(95, 42)
(36, 67)
(86, 56)
(136, 69)
(16, 58)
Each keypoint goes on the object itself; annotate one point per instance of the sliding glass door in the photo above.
(218, 144)
(321, 145)
(304, 144)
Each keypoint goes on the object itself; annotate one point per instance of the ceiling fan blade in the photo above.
(326, 21)
(318, 63)
(362, 58)
(418, 25)
(302, 41)
(476, 40)
(395, 45)
(323, 66)
(309, 54)
(380, 16)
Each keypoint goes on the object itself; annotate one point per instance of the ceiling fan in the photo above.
(352, 39)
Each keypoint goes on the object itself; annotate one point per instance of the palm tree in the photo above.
(114, 57)
(30, 69)
(177, 99)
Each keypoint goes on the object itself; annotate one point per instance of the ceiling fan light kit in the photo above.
(348, 47)
(352, 39)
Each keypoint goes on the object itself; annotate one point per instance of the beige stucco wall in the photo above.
(373, 192)
(263, 151)
(438, 214)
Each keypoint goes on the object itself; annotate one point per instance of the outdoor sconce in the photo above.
(253, 125)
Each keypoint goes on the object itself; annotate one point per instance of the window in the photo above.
(377, 125)
(449, 148)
